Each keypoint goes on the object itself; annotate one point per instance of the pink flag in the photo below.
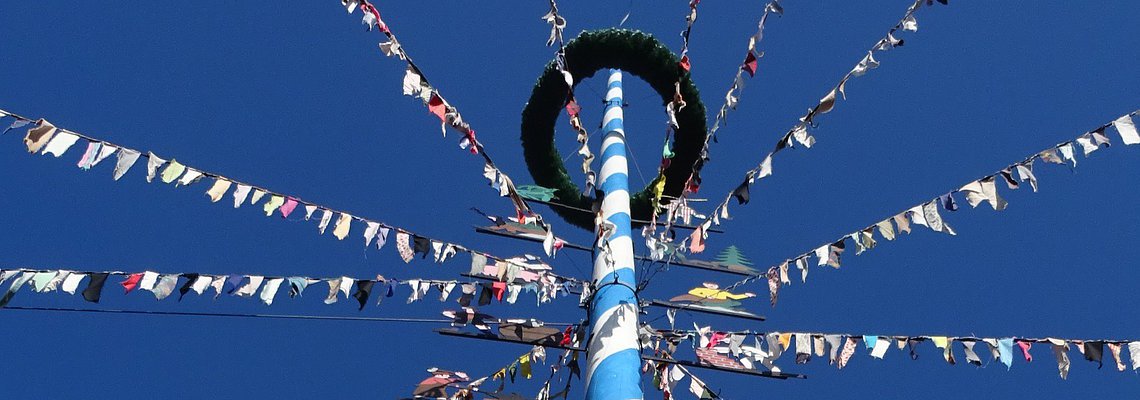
(716, 338)
(469, 137)
(697, 241)
(368, 8)
(572, 108)
(437, 107)
(1025, 349)
(287, 208)
(89, 155)
(750, 64)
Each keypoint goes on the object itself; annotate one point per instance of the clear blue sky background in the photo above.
(297, 98)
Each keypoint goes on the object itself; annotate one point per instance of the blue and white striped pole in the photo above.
(613, 365)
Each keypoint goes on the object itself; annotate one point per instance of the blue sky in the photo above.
(297, 98)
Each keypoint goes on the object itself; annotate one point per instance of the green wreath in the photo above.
(639, 54)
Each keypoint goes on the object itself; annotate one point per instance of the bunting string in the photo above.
(266, 288)
(927, 213)
(749, 65)
(45, 138)
(697, 332)
(689, 21)
(235, 315)
(675, 106)
(523, 366)
(573, 109)
(679, 209)
(729, 349)
(436, 386)
(799, 133)
(416, 84)
(671, 109)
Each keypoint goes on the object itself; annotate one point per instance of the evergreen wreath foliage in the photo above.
(639, 54)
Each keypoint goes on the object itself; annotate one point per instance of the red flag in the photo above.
(436, 106)
(470, 137)
(716, 338)
(567, 336)
(685, 63)
(131, 282)
(694, 183)
(750, 64)
(498, 288)
(368, 8)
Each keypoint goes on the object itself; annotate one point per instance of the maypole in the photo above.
(612, 369)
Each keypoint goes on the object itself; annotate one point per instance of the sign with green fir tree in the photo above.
(732, 256)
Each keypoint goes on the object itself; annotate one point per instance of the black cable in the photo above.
(237, 315)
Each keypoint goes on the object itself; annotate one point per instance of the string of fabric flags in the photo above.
(436, 386)
(573, 109)
(675, 106)
(729, 349)
(799, 133)
(927, 214)
(415, 84)
(689, 21)
(749, 65)
(678, 208)
(523, 366)
(571, 339)
(45, 138)
(266, 288)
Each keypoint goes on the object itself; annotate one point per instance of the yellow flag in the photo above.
(785, 340)
(524, 365)
(342, 226)
(658, 186)
(172, 171)
(219, 189)
(272, 204)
